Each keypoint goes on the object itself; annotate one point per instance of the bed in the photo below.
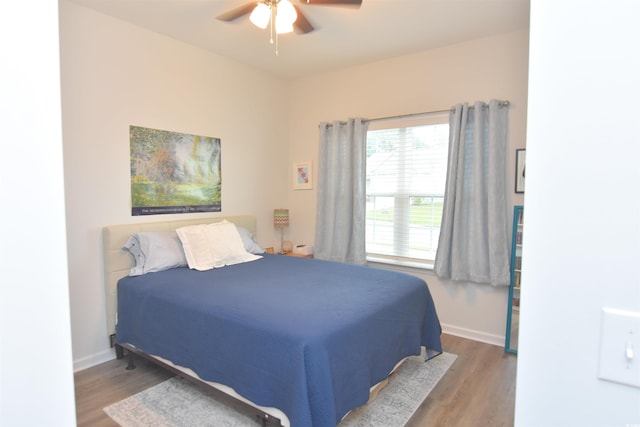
(302, 340)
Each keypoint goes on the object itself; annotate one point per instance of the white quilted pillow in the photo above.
(208, 246)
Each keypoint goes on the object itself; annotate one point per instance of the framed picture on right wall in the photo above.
(302, 176)
(520, 169)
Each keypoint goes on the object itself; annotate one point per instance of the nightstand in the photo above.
(270, 250)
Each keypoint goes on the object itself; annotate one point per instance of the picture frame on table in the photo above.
(302, 176)
(520, 169)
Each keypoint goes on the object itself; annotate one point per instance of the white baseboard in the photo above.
(93, 360)
(474, 335)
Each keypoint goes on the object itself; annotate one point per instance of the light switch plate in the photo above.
(620, 347)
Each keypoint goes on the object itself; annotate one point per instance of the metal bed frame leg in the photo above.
(130, 364)
(119, 349)
(119, 352)
(268, 421)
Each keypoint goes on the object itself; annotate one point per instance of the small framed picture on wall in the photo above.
(302, 176)
(520, 170)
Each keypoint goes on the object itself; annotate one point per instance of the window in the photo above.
(406, 176)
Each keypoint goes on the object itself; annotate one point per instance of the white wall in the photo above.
(494, 67)
(36, 377)
(115, 75)
(582, 243)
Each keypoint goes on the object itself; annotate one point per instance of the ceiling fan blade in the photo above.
(336, 2)
(301, 22)
(238, 12)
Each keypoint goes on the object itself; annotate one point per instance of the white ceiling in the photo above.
(343, 36)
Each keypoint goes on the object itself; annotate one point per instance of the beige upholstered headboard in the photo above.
(118, 261)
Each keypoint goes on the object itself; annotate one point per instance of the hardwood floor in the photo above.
(108, 383)
(478, 389)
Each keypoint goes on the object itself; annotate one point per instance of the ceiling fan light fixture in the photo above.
(283, 27)
(286, 12)
(261, 15)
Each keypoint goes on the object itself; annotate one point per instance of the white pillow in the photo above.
(155, 251)
(208, 246)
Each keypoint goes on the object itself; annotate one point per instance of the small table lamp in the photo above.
(281, 220)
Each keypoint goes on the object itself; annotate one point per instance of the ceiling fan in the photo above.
(282, 14)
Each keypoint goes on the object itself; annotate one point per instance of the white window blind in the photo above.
(406, 176)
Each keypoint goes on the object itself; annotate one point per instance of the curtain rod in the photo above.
(405, 116)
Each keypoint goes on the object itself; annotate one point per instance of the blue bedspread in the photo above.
(306, 336)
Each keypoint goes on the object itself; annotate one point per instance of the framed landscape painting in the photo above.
(174, 172)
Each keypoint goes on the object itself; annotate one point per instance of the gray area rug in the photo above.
(178, 403)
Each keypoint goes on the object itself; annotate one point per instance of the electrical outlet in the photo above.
(620, 347)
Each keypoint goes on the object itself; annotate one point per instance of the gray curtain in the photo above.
(340, 223)
(473, 244)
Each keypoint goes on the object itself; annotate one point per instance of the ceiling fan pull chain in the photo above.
(274, 15)
(271, 21)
